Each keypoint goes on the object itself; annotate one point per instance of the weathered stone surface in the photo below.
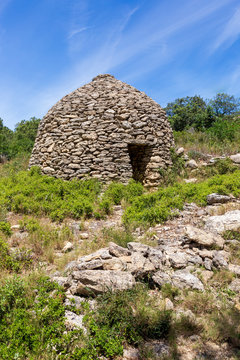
(192, 164)
(178, 260)
(203, 237)
(229, 221)
(131, 354)
(235, 158)
(160, 278)
(117, 250)
(93, 282)
(234, 269)
(74, 321)
(235, 285)
(180, 151)
(105, 129)
(62, 281)
(217, 198)
(219, 261)
(67, 247)
(138, 247)
(184, 279)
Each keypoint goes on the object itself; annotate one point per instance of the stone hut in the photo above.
(106, 129)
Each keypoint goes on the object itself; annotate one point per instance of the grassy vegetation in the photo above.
(208, 142)
(28, 192)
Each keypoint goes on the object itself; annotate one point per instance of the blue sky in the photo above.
(166, 48)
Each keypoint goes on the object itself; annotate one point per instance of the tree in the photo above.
(189, 111)
(224, 104)
(5, 139)
(24, 136)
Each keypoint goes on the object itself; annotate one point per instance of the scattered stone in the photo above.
(235, 285)
(235, 158)
(192, 164)
(217, 198)
(158, 348)
(191, 180)
(67, 247)
(84, 235)
(15, 227)
(131, 354)
(203, 237)
(184, 279)
(168, 304)
(73, 321)
(180, 151)
(229, 221)
(234, 269)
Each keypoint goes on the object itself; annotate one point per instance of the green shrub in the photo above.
(118, 236)
(30, 325)
(5, 228)
(159, 206)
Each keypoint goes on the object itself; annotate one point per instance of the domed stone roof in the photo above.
(105, 129)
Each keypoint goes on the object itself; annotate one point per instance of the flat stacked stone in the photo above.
(106, 129)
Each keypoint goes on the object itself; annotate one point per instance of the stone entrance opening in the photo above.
(140, 155)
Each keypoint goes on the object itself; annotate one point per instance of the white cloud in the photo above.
(77, 31)
(230, 32)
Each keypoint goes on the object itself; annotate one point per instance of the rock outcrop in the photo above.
(105, 129)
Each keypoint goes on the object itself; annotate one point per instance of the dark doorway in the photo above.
(139, 157)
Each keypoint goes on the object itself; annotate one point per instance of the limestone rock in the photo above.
(117, 250)
(234, 269)
(184, 279)
(235, 158)
(73, 321)
(160, 278)
(235, 285)
(131, 354)
(217, 198)
(192, 164)
(93, 282)
(178, 260)
(180, 151)
(204, 238)
(67, 247)
(220, 223)
(136, 246)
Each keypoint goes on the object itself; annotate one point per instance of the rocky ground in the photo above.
(187, 252)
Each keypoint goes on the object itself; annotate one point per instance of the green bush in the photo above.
(159, 206)
(5, 228)
(30, 324)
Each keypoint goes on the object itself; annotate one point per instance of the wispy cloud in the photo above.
(230, 33)
(77, 31)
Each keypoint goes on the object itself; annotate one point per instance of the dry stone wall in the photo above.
(106, 129)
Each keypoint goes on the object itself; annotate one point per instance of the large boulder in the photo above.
(93, 282)
(204, 238)
(183, 279)
(217, 199)
(229, 221)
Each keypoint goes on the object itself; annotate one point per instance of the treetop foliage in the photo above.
(194, 111)
(21, 140)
